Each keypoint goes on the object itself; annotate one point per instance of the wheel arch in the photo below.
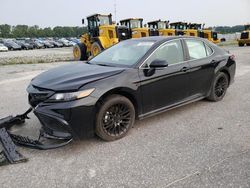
(123, 91)
(224, 70)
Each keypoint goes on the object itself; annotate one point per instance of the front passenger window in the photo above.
(171, 52)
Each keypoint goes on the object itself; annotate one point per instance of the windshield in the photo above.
(125, 53)
(161, 25)
(135, 24)
(103, 20)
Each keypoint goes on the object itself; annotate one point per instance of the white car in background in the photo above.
(3, 48)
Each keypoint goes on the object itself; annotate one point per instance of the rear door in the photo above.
(201, 66)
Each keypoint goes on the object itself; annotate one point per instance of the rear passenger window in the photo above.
(209, 50)
(196, 49)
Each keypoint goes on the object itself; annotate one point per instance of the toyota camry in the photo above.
(134, 79)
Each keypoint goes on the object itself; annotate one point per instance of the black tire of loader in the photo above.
(83, 50)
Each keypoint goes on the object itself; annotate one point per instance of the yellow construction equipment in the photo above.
(160, 28)
(210, 35)
(245, 37)
(179, 27)
(102, 34)
(135, 26)
(193, 29)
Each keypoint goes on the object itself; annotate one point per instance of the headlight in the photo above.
(70, 96)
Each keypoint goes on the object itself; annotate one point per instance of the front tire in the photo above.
(115, 118)
(219, 87)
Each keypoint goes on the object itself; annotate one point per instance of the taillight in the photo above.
(232, 57)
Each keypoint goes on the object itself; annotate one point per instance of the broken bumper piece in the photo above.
(8, 149)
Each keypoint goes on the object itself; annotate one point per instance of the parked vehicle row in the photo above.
(35, 43)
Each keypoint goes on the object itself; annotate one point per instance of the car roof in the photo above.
(163, 38)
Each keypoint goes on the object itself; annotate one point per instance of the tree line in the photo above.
(19, 31)
(227, 29)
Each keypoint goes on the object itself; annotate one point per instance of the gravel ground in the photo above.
(36, 56)
(202, 144)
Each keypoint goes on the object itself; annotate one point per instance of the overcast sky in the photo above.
(70, 12)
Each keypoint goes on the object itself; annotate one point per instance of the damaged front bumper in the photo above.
(67, 119)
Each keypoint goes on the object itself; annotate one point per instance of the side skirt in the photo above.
(170, 107)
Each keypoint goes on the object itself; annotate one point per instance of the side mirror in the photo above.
(83, 21)
(158, 64)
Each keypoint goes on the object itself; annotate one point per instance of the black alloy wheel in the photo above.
(115, 118)
(219, 87)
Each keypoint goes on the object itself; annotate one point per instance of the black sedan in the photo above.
(136, 78)
(35, 44)
(11, 45)
(24, 45)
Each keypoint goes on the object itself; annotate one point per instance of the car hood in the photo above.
(73, 76)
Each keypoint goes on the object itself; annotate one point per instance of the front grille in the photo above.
(244, 35)
(37, 95)
(123, 33)
(201, 34)
(153, 32)
(179, 33)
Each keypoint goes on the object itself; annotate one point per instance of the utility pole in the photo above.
(115, 9)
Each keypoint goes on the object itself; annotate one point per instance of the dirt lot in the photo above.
(202, 144)
(36, 56)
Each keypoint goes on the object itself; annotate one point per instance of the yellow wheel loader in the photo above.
(193, 29)
(135, 26)
(245, 37)
(102, 34)
(160, 28)
(179, 27)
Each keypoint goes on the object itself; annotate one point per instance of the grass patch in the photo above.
(20, 61)
(229, 43)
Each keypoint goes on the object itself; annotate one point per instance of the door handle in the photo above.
(185, 69)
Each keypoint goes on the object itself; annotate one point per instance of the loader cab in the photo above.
(179, 27)
(97, 20)
(135, 26)
(245, 37)
(156, 26)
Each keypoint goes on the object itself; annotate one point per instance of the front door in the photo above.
(164, 87)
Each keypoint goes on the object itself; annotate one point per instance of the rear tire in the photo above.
(80, 52)
(219, 87)
(248, 44)
(115, 118)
